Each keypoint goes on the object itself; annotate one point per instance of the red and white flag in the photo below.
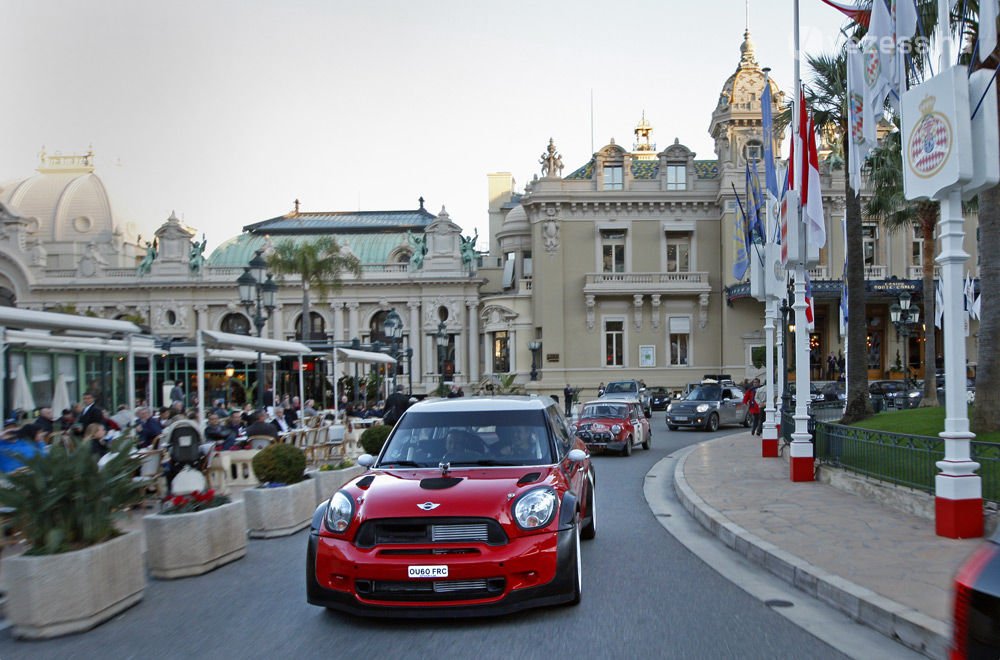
(812, 202)
(857, 14)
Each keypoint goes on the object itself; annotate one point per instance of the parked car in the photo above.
(976, 623)
(629, 389)
(709, 406)
(896, 393)
(970, 389)
(815, 394)
(659, 398)
(834, 390)
(473, 506)
(614, 425)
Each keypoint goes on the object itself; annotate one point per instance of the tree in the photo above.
(827, 96)
(319, 263)
(890, 207)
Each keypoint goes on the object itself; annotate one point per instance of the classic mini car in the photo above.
(659, 398)
(613, 425)
(630, 389)
(708, 406)
(474, 506)
(976, 623)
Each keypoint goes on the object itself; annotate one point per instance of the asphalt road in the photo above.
(645, 595)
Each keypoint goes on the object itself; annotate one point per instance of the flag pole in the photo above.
(801, 450)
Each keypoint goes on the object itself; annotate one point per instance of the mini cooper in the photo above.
(708, 406)
(473, 506)
(613, 425)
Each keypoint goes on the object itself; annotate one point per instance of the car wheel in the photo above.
(577, 568)
(590, 529)
(627, 450)
(713, 423)
(671, 427)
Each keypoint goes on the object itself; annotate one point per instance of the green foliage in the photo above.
(318, 262)
(342, 465)
(373, 387)
(279, 463)
(64, 502)
(758, 356)
(374, 437)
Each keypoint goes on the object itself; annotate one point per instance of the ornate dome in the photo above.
(516, 221)
(746, 84)
(64, 201)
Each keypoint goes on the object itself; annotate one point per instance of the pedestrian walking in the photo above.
(568, 396)
(750, 398)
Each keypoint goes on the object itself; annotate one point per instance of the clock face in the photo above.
(779, 271)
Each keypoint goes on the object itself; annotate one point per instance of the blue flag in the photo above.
(741, 242)
(755, 205)
(770, 177)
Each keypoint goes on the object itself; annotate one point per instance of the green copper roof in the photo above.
(343, 221)
(645, 169)
(706, 169)
(372, 248)
(585, 172)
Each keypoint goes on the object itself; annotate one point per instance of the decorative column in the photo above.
(338, 321)
(769, 439)
(352, 319)
(637, 305)
(416, 338)
(275, 323)
(201, 317)
(656, 311)
(473, 341)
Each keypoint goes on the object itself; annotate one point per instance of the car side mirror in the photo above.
(576, 455)
(366, 460)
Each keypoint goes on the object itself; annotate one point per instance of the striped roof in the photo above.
(343, 221)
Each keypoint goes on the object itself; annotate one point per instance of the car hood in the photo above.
(690, 406)
(410, 493)
(588, 422)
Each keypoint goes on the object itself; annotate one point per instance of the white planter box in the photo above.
(329, 482)
(184, 544)
(53, 595)
(279, 511)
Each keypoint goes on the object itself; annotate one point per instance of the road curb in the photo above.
(900, 623)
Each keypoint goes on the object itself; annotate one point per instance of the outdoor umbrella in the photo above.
(23, 400)
(60, 397)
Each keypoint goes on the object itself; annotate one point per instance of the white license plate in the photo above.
(427, 571)
(680, 419)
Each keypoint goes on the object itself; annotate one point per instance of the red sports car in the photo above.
(474, 506)
(613, 425)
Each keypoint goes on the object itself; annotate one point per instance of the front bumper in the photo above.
(532, 571)
(601, 441)
(693, 419)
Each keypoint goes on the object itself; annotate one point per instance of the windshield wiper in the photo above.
(400, 464)
(489, 462)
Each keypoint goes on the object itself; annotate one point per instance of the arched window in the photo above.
(375, 331)
(7, 297)
(317, 329)
(237, 324)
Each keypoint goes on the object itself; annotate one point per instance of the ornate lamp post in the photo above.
(409, 368)
(258, 295)
(905, 319)
(442, 344)
(392, 328)
(230, 370)
(534, 346)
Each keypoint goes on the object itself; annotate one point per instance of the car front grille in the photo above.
(430, 531)
(431, 590)
(588, 436)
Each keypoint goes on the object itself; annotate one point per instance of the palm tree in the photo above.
(889, 206)
(827, 96)
(319, 263)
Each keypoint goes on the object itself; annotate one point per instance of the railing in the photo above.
(906, 460)
(917, 272)
(819, 273)
(819, 411)
(875, 272)
(646, 283)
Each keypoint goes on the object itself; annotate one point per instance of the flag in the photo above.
(977, 306)
(767, 122)
(970, 294)
(810, 325)
(857, 14)
(741, 242)
(857, 145)
(843, 307)
(904, 13)
(939, 305)
(878, 52)
(755, 204)
(813, 204)
(987, 28)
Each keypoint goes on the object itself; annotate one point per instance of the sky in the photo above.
(226, 111)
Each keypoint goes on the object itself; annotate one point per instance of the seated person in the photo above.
(148, 428)
(44, 420)
(96, 436)
(522, 443)
(260, 426)
(17, 444)
(235, 423)
(217, 432)
(463, 446)
(280, 421)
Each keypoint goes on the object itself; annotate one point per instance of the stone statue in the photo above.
(197, 258)
(419, 244)
(551, 161)
(468, 249)
(147, 262)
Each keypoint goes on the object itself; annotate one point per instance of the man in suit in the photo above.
(44, 420)
(91, 413)
(260, 426)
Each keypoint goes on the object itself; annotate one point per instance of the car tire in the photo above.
(712, 424)
(590, 529)
(672, 427)
(627, 449)
(648, 412)
(577, 568)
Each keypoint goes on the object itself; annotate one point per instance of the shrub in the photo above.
(63, 501)
(374, 437)
(280, 464)
(342, 465)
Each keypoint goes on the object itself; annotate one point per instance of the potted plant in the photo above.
(194, 534)
(79, 569)
(331, 476)
(374, 437)
(284, 501)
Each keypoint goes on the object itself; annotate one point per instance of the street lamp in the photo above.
(534, 347)
(442, 344)
(259, 295)
(230, 370)
(905, 319)
(392, 328)
(786, 396)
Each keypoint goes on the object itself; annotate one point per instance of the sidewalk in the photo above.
(884, 568)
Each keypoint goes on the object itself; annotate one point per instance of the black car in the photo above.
(976, 625)
(896, 393)
(659, 398)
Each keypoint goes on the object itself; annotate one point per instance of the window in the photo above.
(613, 177)
(676, 177)
(917, 248)
(508, 270)
(678, 252)
(236, 324)
(526, 264)
(869, 234)
(501, 352)
(613, 251)
(614, 343)
(679, 328)
(753, 152)
(316, 327)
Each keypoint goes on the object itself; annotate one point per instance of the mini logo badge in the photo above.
(428, 506)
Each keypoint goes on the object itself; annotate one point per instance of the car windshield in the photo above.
(603, 410)
(473, 438)
(615, 388)
(705, 393)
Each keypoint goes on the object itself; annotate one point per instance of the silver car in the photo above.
(708, 406)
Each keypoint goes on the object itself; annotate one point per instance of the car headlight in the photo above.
(340, 512)
(535, 509)
(702, 407)
(914, 395)
(616, 428)
(670, 407)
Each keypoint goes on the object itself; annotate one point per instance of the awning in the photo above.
(276, 346)
(364, 356)
(15, 317)
(223, 354)
(140, 345)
